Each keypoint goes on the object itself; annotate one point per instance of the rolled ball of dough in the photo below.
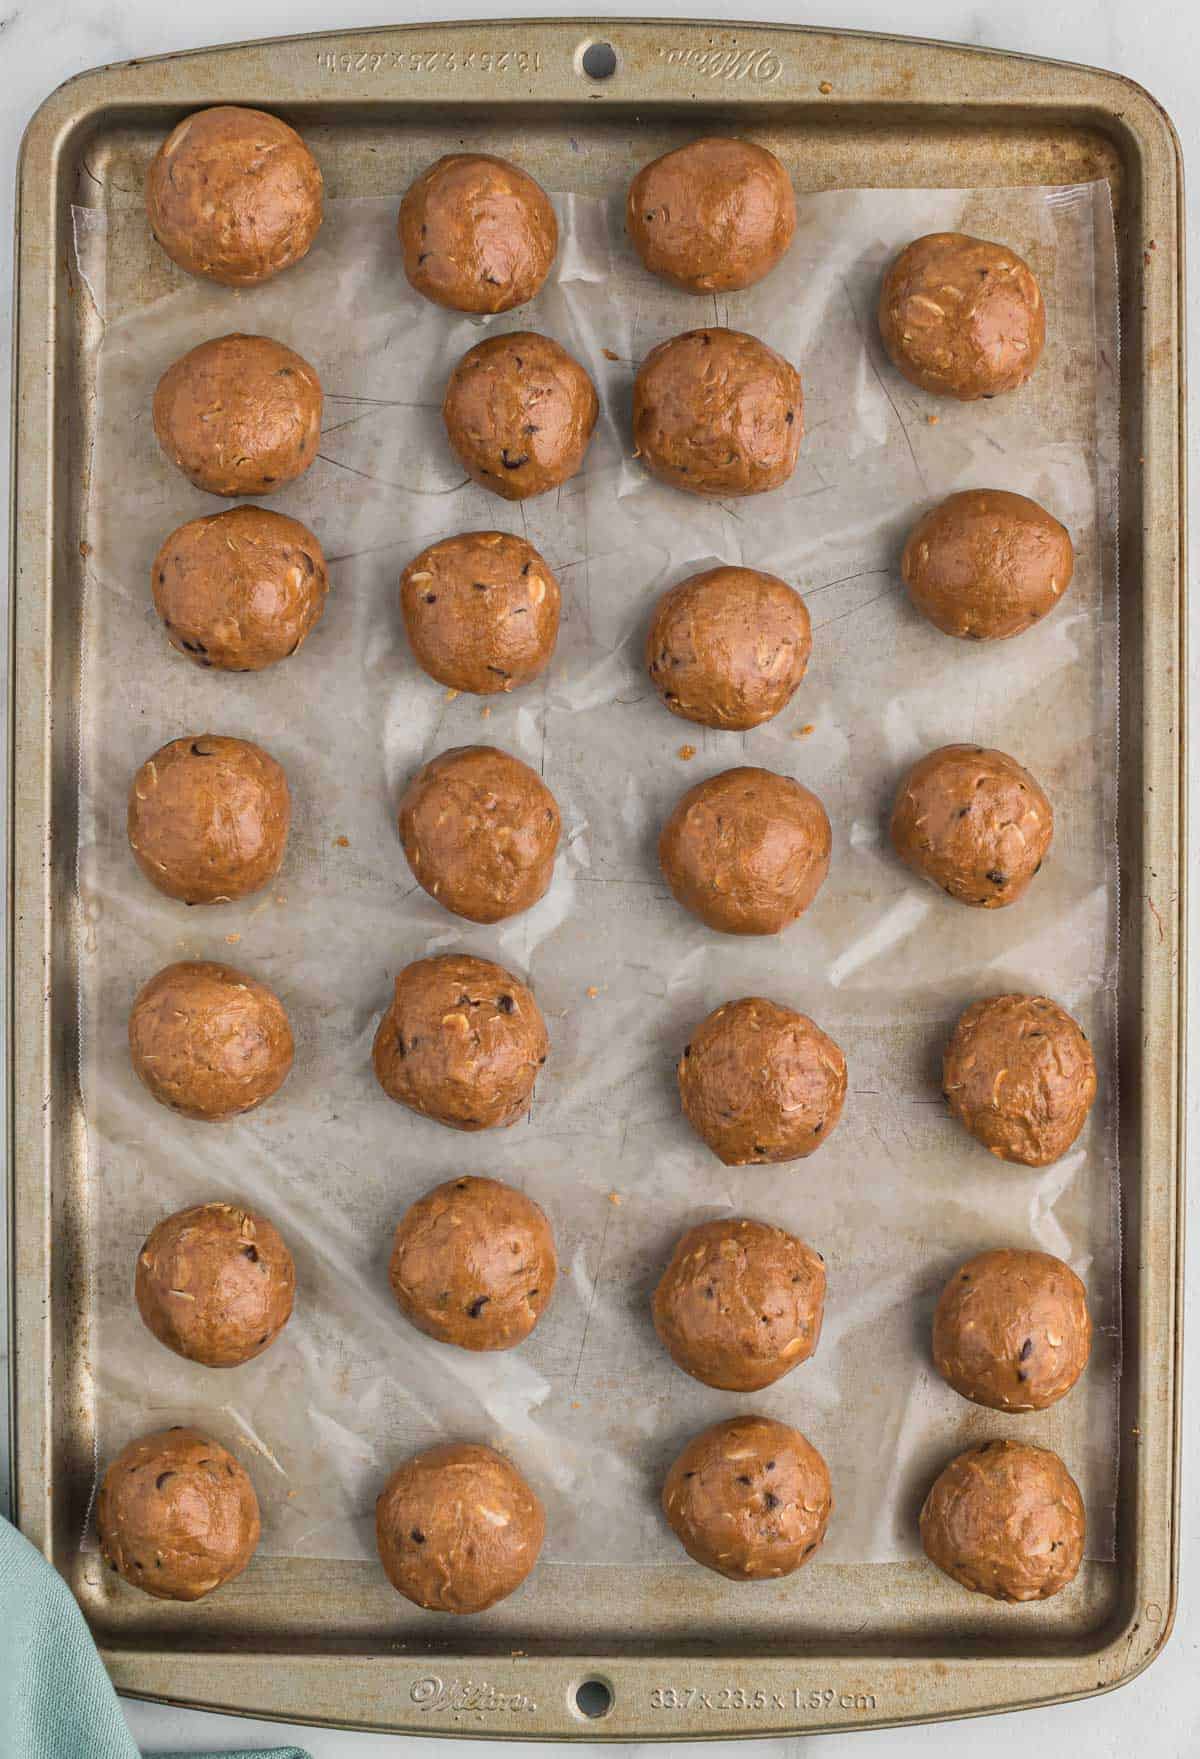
(209, 1041)
(208, 818)
(761, 1083)
(962, 317)
(240, 415)
(749, 1498)
(985, 565)
(215, 1283)
(479, 235)
(177, 1515)
(1006, 1519)
(713, 216)
(481, 611)
(974, 822)
(520, 411)
(728, 647)
(1011, 1330)
(1020, 1075)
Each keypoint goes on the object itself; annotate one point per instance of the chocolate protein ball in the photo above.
(462, 1042)
(1011, 1330)
(234, 195)
(208, 818)
(458, 1528)
(761, 1083)
(473, 1264)
(479, 235)
(746, 851)
(749, 1498)
(519, 411)
(974, 823)
(985, 564)
(215, 1283)
(177, 1515)
(481, 611)
(712, 217)
(717, 412)
(740, 1304)
(209, 1041)
(962, 317)
(480, 830)
(1019, 1073)
(240, 415)
(1006, 1519)
(728, 647)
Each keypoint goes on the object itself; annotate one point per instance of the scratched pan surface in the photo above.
(683, 1655)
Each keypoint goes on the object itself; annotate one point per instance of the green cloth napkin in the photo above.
(56, 1701)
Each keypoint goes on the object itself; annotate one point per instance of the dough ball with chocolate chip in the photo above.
(480, 830)
(746, 851)
(481, 611)
(713, 216)
(1019, 1073)
(176, 1515)
(985, 565)
(215, 1283)
(1011, 1330)
(519, 411)
(962, 317)
(728, 647)
(749, 1498)
(1006, 1519)
(761, 1083)
(458, 1528)
(479, 235)
(240, 415)
(974, 822)
(462, 1042)
(209, 1041)
(208, 818)
(740, 1304)
(234, 195)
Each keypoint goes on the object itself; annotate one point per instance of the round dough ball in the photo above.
(974, 823)
(1012, 1331)
(478, 234)
(208, 818)
(761, 1083)
(984, 565)
(740, 1304)
(712, 217)
(717, 412)
(241, 589)
(728, 647)
(462, 1042)
(1006, 1519)
(749, 1498)
(480, 831)
(481, 611)
(746, 851)
(473, 1264)
(519, 411)
(1019, 1073)
(458, 1528)
(234, 195)
(209, 1041)
(240, 415)
(177, 1515)
(961, 317)
(215, 1284)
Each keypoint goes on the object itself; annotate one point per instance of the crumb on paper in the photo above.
(592, 992)
(609, 355)
(85, 549)
(231, 940)
(614, 1197)
(825, 88)
(281, 897)
(686, 753)
(485, 713)
(804, 731)
(451, 694)
(342, 842)
(577, 1404)
(292, 1493)
(933, 420)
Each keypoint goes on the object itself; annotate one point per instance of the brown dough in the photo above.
(462, 1042)
(961, 317)
(728, 647)
(479, 235)
(234, 195)
(480, 831)
(240, 415)
(1006, 1519)
(985, 564)
(208, 818)
(740, 1304)
(519, 411)
(481, 611)
(1012, 1331)
(458, 1528)
(746, 851)
(473, 1264)
(215, 1284)
(749, 1498)
(761, 1083)
(974, 823)
(1019, 1073)
(713, 216)
(209, 1041)
(177, 1515)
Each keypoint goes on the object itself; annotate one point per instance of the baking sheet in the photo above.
(590, 1406)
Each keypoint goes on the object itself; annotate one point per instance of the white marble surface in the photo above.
(43, 42)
